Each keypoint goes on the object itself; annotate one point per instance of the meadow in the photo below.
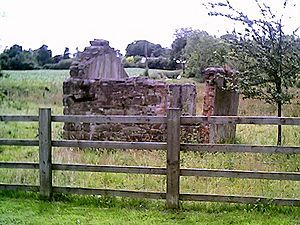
(23, 92)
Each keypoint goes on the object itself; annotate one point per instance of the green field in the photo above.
(23, 92)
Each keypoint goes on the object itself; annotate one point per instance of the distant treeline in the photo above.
(16, 58)
(191, 50)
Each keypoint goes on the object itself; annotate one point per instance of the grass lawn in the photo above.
(20, 208)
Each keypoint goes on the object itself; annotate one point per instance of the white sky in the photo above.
(73, 23)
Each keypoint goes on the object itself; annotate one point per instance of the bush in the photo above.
(161, 63)
(128, 62)
(63, 64)
(153, 63)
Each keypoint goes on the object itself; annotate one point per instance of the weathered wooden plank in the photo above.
(192, 120)
(19, 165)
(109, 119)
(19, 142)
(111, 144)
(173, 158)
(239, 148)
(45, 152)
(239, 199)
(109, 192)
(241, 174)
(110, 169)
(18, 118)
(19, 187)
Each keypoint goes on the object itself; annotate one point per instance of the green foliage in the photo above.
(144, 48)
(43, 55)
(161, 63)
(63, 64)
(132, 62)
(267, 58)
(197, 50)
(15, 58)
(203, 50)
(153, 63)
(178, 45)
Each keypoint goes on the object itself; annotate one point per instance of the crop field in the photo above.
(23, 92)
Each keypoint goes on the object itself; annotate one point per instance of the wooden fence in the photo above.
(173, 147)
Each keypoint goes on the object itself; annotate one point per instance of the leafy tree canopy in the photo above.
(143, 47)
(178, 45)
(267, 57)
(43, 55)
(203, 50)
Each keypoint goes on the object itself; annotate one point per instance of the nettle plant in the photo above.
(268, 59)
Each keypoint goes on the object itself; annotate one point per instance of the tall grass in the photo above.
(25, 91)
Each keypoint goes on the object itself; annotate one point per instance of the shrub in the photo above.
(63, 64)
(153, 63)
(161, 63)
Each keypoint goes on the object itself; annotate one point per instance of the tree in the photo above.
(67, 53)
(178, 45)
(140, 47)
(203, 50)
(177, 53)
(43, 55)
(268, 59)
(15, 58)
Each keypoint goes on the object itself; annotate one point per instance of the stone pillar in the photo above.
(218, 102)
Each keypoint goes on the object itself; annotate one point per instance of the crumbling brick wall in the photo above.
(132, 96)
(99, 85)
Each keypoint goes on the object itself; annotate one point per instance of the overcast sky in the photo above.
(73, 23)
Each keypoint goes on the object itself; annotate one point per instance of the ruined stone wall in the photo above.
(99, 85)
(132, 96)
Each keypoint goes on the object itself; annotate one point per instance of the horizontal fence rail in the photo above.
(19, 142)
(119, 193)
(19, 118)
(172, 171)
(241, 174)
(19, 165)
(238, 199)
(266, 120)
(19, 187)
(109, 119)
(110, 169)
(111, 144)
(213, 148)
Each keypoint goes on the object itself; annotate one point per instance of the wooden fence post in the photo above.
(173, 158)
(45, 160)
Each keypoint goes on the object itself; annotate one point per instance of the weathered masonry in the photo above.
(218, 102)
(99, 85)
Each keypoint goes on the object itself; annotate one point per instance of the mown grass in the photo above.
(23, 92)
(21, 208)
